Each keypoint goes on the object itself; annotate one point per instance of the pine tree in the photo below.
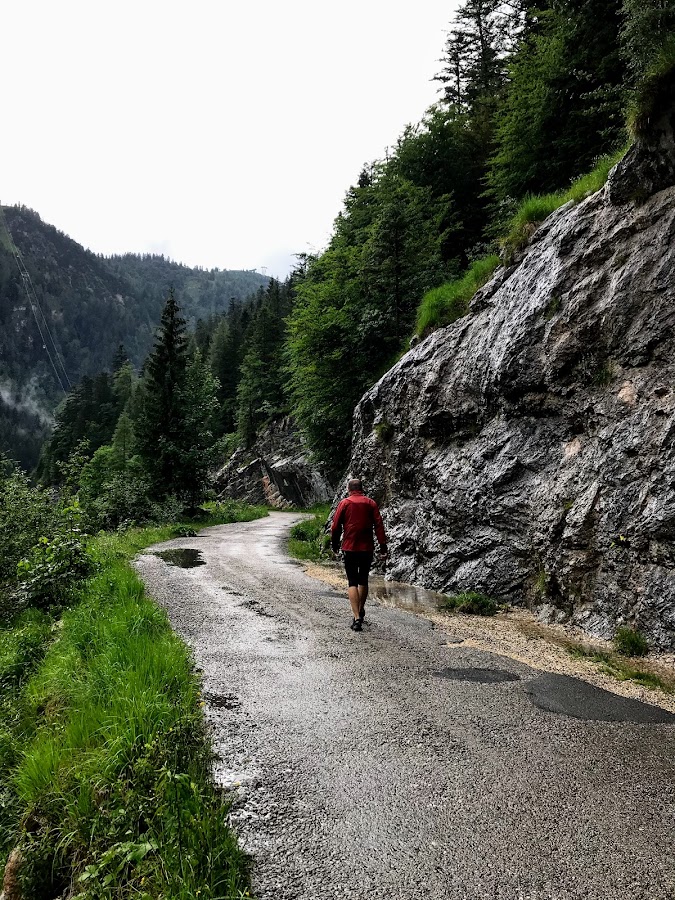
(564, 105)
(121, 358)
(261, 392)
(124, 441)
(647, 26)
(224, 359)
(161, 430)
(200, 405)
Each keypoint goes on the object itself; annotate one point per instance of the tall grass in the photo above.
(104, 758)
(447, 303)
(308, 539)
(535, 208)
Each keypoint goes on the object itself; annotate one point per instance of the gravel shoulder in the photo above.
(410, 760)
(520, 636)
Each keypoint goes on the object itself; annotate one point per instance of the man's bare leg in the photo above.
(363, 594)
(354, 602)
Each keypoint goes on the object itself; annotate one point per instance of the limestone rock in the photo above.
(530, 446)
(277, 471)
(11, 889)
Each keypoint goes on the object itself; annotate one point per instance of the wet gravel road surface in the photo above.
(396, 763)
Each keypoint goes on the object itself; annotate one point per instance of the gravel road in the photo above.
(397, 763)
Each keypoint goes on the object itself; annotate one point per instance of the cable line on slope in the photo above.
(36, 308)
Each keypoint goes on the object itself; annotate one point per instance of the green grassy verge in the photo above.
(105, 782)
(622, 669)
(307, 539)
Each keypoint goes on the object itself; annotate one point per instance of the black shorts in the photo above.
(357, 566)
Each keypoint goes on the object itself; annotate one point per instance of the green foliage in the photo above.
(564, 104)
(616, 666)
(308, 539)
(85, 421)
(22, 647)
(225, 354)
(449, 302)
(161, 427)
(471, 603)
(27, 513)
(384, 431)
(261, 393)
(104, 761)
(222, 512)
(654, 88)
(200, 408)
(356, 304)
(175, 416)
(56, 566)
(535, 209)
(630, 642)
(647, 37)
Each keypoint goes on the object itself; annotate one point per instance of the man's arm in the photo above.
(336, 527)
(379, 529)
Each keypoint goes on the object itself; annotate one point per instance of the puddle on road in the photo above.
(397, 595)
(183, 557)
(479, 676)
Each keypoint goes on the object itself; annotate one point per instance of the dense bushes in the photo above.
(43, 557)
(309, 539)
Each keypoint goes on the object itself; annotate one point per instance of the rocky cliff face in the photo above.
(528, 450)
(276, 471)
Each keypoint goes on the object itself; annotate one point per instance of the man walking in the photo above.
(357, 515)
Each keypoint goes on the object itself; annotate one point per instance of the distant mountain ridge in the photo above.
(92, 304)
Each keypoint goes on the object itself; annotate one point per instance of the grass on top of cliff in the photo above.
(308, 539)
(445, 304)
(535, 208)
(105, 764)
(653, 91)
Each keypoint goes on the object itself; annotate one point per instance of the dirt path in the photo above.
(405, 762)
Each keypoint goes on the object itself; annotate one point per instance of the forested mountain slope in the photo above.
(92, 305)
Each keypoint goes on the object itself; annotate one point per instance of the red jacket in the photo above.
(357, 515)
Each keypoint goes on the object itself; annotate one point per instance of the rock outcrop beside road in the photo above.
(276, 471)
(528, 450)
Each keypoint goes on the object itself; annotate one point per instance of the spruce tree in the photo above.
(161, 430)
(199, 405)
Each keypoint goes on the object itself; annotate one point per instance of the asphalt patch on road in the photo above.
(184, 557)
(479, 676)
(573, 697)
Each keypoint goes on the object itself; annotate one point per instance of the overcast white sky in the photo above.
(218, 133)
